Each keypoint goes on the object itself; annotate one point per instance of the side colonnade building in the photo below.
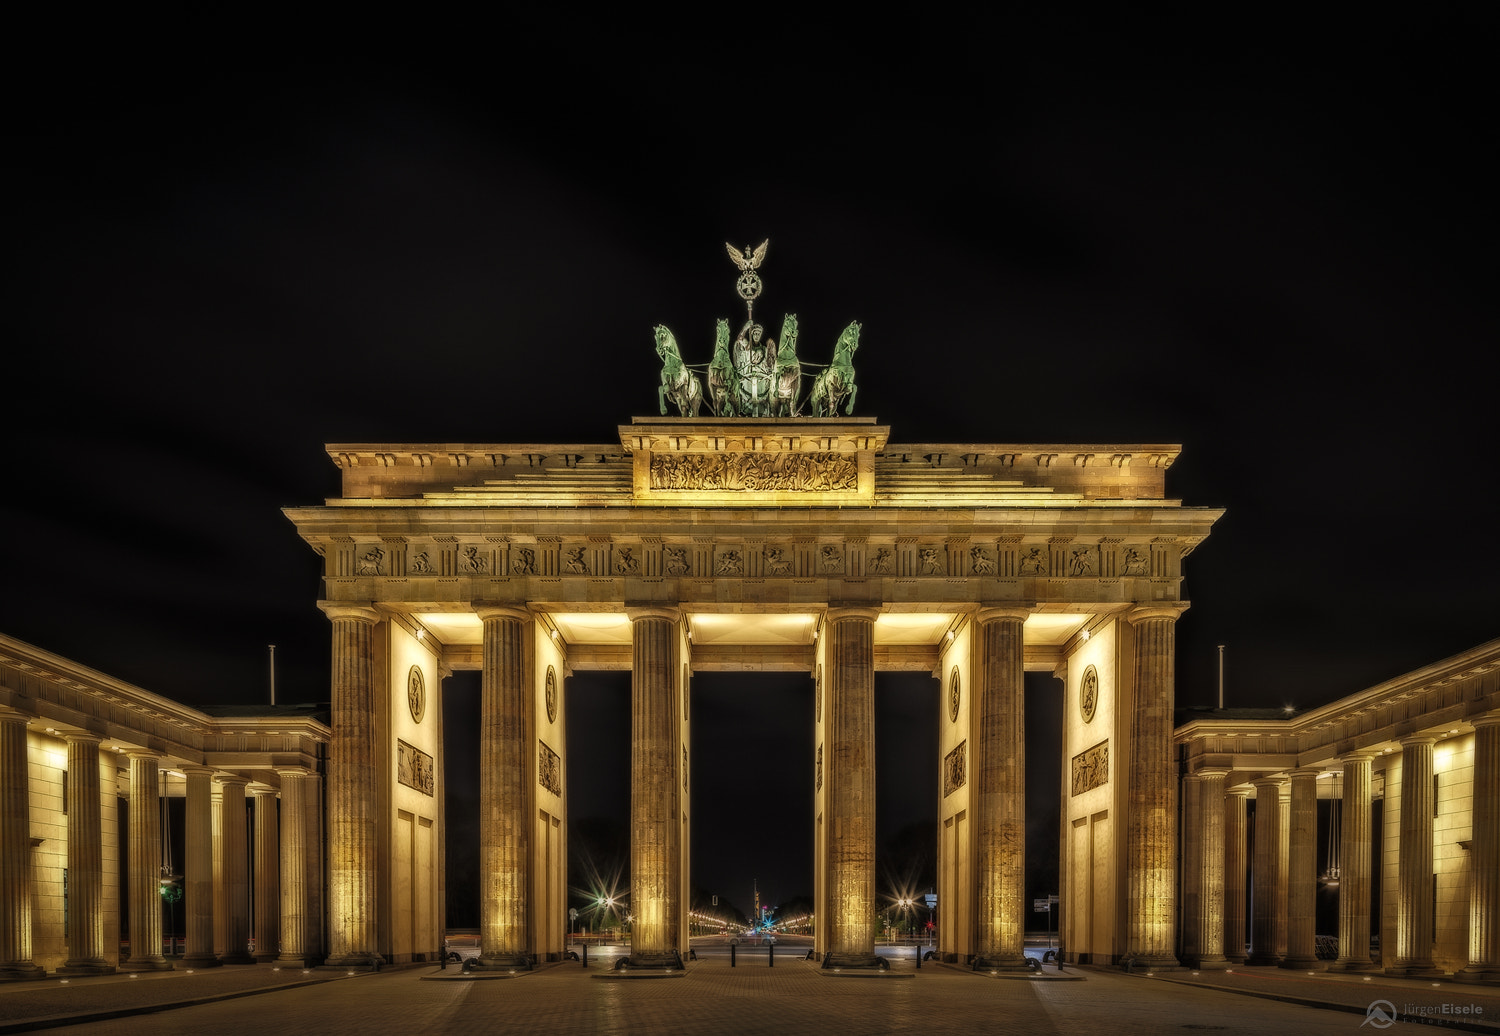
(1410, 837)
(75, 746)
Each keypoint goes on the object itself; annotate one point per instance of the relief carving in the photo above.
(833, 559)
(548, 769)
(369, 564)
(1091, 768)
(473, 562)
(1033, 562)
(776, 563)
(1081, 562)
(524, 563)
(881, 563)
(1137, 562)
(677, 562)
(755, 472)
(729, 563)
(626, 563)
(820, 768)
(981, 562)
(931, 561)
(955, 768)
(421, 564)
(578, 560)
(413, 767)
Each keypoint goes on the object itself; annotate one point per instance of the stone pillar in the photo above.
(1354, 866)
(234, 840)
(85, 860)
(1151, 836)
(850, 770)
(352, 862)
(267, 875)
(15, 851)
(999, 747)
(1484, 856)
(1283, 864)
(312, 802)
(1414, 917)
(221, 879)
(1190, 835)
(1266, 875)
(1302, 873)
(1236, 838)
(198, 868)
(505, 793)
(294, 911)
(145, 863)
(655, 832)
(1211, 881)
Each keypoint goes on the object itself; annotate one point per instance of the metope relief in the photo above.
(421, 564)
(833, 559)
(524, 562)
(548, 769)
(371, 563)
(1081, 562)
(471, 562)
(626, 563)
(578, 560)
(1033, 562)
(931, 560)
(981, 562)
(677, 561)
(413, 767)
(776, 562)
(1137, 562)
(1091, 768)
(955, 768)
(882, 561)
(729, 563)
(755, 472)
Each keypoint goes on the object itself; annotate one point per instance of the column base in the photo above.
(202, 960)
(1354, 965)
(236, 958)
(85, 968)
(1001, 963)
(503, 962)
(1142, 962)
(854, 962)
(22, 972)
(1214, 964)
(1415, 971)
(1262, 960)
(668, 959)
(294, 960)
(1482, 974)
(353, 962)
(149, 964)
(1301, 964)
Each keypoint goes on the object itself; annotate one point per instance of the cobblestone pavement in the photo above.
(751, 999)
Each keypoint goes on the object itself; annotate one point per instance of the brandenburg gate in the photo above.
(804, 544)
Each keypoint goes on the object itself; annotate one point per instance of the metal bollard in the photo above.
(919, 956)
(585, 954)
(771, 953)
(731, 954)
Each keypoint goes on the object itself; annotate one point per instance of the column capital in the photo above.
(293, 771)
(636, 612)
(1416, 739)
(263, 790)
(9, 713)
(1308, 771)
(1268, 782)
(1157, 610)
(1210, 772)
(233, 778)
(143, 753)
(1354, 758)
(1485, 719)
(83, 737)
(192, 769)
(336, 610)
(852, 612)
(502, 611)
(1238, 791)
(997, 613)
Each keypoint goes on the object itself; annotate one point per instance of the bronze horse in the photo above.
(836, 381)
(678, 384)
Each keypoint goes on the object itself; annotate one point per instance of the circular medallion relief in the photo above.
(818, 696)
(955, 694)
(416, 694)
(551, 695)
(1088, 693)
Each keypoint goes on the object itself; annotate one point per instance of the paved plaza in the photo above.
(751, 998)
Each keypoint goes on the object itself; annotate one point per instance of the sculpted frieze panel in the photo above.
(577, 561)
(882, 561)
(1137, 562)
(980, 562)
(755, 472)
(548, 769)
(626, 563)
(371, 562)
(523, 562)
(776, 561)
(1091, 768)
(1033, 562)
(955, 768)
(1082, 561)
(677, 561)
(413, 767)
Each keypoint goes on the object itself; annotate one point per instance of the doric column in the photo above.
(221, 880)
(85, 860)
(999, 748)
(1267, 870)
(145, 863)
(1283, 863)
(267, 875)
(312, 804)
(15, 851)
(505, 794)
(198, 868)
(235, 839)
(1354, 866)
(1484, 856)
(850, 770)
(655, 832)
(1236, 838)
(352, 862)
(1414, 867)
(1302, 872)
(1151, 833)
(294, 912)
(1190, 835)
(1211, 882)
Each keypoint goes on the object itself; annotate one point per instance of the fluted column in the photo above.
(353, 867)
(145, 863)
(234, 840)
(1354, 866)
(198, 868)
(15, 851)
(294, 912)
(1484, 856)
(655, 831)
(850, 770)
(1211, 882)
(85, 860)
(1190, 835)
(267, 875)
(1302, 872)
(1414, 868)
(1151, 833)
(1267, 870)
(312, 804)
(505, 794)
(1000, 788)
(1236, 838)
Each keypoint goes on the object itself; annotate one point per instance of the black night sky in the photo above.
(1271, 244)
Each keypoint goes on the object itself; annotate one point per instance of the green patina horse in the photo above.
(721, 376)
(836, 380)
(787, 385)
(678, 384)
